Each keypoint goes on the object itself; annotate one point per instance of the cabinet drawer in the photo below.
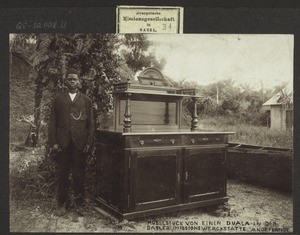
(152, 141)
(203, 139)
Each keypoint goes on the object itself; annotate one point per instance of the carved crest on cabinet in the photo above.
(153, 76)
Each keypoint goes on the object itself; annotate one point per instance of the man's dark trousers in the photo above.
(71, 159)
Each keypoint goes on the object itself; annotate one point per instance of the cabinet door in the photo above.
(104, 176)
(204, 174)
(155, 176)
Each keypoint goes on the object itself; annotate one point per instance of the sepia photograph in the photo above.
(156, 133)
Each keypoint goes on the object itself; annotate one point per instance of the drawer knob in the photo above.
(157, 140)
(205, 139)
(142, 142)
(172, 141)
(192, 141)
(217, 138)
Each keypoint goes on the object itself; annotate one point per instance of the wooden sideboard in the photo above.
(148, 162)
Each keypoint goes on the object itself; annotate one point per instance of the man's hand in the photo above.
(56, 148)
(86, 149)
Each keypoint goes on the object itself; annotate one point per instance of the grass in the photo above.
(32, 174)
(248, 134)
(18, 131)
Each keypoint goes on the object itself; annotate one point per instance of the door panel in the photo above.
(155, 178)
(204, 174)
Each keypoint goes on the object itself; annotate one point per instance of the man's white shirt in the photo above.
(72, 96)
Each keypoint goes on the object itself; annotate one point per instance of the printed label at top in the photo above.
(137, 19)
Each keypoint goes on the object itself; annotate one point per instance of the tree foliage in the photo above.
(136, 53)
(225, 98)
(102, 59)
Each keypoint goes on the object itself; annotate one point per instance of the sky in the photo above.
(253, 59)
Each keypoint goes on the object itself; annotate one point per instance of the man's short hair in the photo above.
(73, 71)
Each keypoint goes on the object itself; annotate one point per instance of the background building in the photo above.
(281, 108)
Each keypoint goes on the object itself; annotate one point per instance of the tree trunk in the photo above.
(38, 102)
(34, 129)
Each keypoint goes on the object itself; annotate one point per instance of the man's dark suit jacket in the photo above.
(71, 120)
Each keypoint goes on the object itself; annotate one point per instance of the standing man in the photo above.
(71, 133)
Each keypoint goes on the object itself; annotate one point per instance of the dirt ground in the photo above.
(250, 209)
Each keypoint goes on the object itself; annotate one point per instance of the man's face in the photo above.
(72, 81)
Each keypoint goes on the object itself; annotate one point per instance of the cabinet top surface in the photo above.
(178, 132)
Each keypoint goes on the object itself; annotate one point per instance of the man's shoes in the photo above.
(79, 211)
(60, 211)
(75, 213)
(79, 201)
